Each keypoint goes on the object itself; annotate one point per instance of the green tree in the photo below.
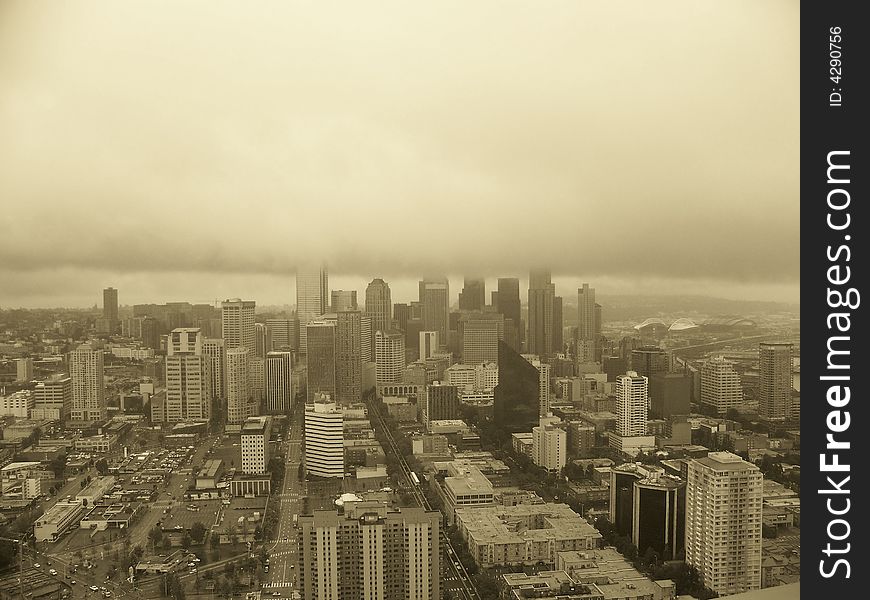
(197, 532)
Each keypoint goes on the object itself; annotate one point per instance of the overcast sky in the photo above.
(200, 150)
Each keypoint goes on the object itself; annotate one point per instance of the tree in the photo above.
(197, 532)
(102, 467)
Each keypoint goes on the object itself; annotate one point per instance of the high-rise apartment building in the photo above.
(312, 298)
(23, 370)
(379, 305)
(541, 298)
(550, 444)
(473, 294)
(237, 325)
(435, 304)
(370, 553)
(53, 398)
(86, 371)
(721, 389)
(543, 370)
(723, 522)
(188, 377)
(428, 344)
(342, 300)
(279, 383)
(348, 357)
(254, 445)
(324, 438)
(479, 335)
(632, 404)
(775, 381)
(110, 309)
(389, 356)
(238, 385)
(214, 349)
(321, 338)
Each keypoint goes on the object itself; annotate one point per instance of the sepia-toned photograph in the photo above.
(482, 300)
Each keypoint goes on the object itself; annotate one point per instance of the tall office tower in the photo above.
(541, 298)
(670, 394)
(312, 296)
(23, 370)
(257, 377)
(279, 383)
(543, 395)
(324, 438)
(342, 300)
(587, 329)
(238, 385)
(413, 329)
(348, 357)
(237, 325)
(723, 522)
(389, 356)
(550, 444)
(494, 300)
(401, 314)
(508, 304)
(262, 340)
(649, 360)
(110, 308)
(721, 389)
(473, 294)
(150, 328)
(598, 321)
(632, 404)
(254, 445)
(558, 338)
(379, 305)
(479, 335)
(279, 331)
(435, 302)
(321, 358)
(370, 553)
(516, 403)
(188, 377)
(774, 380)
(53, 398)
(214, 349)
(86, 371)
(428, 344)
(367, 339)
(442, 402)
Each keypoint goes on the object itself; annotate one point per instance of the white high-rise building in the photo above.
(723, 522)
(53, 398)
(324, 438)
(279, 387)
(86, 371)
(543, 383)
(428, 344)
(312, 299)
(367, 339)
(389, 356)
(632, 404)
(239, 400)
(472, 378)
(254, 445)
(188, 377)
(214, 349)
(237, 324)
(23, 369)
(550, 444)
(720, 385)
(775, 381)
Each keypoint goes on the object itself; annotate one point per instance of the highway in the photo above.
(454, 576)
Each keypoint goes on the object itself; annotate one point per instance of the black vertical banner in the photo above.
(835, 444)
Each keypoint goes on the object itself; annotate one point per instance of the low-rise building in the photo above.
(58, 519)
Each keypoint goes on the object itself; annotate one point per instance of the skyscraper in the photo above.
(541, 299)
(507, 302)
(379, 305)
(348, 357)
(632, 393)
(188, 377)
(649, 360)
(774, 381)
(370, 553)
(110, 308)
(435, 302)
(324, 438)
(543, 370)
(516, 405)
(401, 314)
(479, 335)
(86, 371)
(238, 385)
(279, 384)
(723, 522)
(23, 369)
(53, 398)
(279, 331)
(214, 349)
(428, 344)
(321, 358)
(473, 294)
(389, 356)
(550, 445)
(586, 326)
(558, 339)
(254, 445)
(237, 325)
(262, 340)
(342, 300)
(312, 297)
(441, 402)
(721, 389)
